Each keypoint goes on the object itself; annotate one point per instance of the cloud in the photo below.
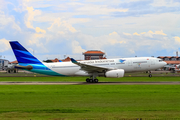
(60, 25)
(57, 22)
(78, 20)
(126, 33)
(99, 43)
(136, 34)
(6, 20)
(69, 26)
(145, 7)
(133, 45)
(91, 9)
(76, 48)
(114, 41)
(114, 38)
(159, 33)
(29, 18)
(61, 32)
(3, 4)
(177, 38)
(113, 33)
(166, 3)
(149, 33)
(39, 30)
(37, 40)
(4, 45)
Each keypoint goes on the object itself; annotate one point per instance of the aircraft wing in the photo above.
(90, 68)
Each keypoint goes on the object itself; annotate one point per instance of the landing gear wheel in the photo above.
(150, 75)
(87, 80)
(91, 80)
(96, 80)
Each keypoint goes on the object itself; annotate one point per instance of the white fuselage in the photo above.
(127, 64)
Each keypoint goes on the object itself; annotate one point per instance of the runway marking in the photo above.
(84, 83)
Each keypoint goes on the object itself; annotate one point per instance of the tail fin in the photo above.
(22, 55)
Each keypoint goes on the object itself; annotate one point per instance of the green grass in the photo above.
(59, 102)
(56, 102)
(82, 79)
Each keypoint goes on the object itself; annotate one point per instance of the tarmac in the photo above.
(85, 83)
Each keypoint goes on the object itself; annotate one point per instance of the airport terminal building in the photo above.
(170, 60)
(94, 55)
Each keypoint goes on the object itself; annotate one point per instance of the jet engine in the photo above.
(115, 73)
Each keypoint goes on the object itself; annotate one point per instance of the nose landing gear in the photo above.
(150, 74)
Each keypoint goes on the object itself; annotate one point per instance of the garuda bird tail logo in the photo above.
(121, 61)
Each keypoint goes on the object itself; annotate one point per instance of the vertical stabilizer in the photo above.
(22, 55)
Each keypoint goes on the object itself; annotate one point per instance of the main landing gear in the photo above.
(90, 80)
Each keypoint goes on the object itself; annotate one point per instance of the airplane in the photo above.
(174, 68)
(112, 68)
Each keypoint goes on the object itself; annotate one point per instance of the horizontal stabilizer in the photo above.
(29, 67)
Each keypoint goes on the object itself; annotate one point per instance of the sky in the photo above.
(52, 29)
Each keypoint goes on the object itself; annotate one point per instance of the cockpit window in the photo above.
(160, 60)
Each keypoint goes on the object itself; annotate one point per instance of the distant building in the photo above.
(89, 55)
(93, 55)
(170, 60)
(14, 62)
(3, 64)
(57, 60)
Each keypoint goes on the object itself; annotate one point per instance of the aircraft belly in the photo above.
(81, 73)
(66, 71)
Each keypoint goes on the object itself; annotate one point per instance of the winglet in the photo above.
(73, 60)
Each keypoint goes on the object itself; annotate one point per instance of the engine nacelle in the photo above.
(115, 73)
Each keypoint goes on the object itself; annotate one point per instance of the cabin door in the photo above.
(129, 63)
(152, 62)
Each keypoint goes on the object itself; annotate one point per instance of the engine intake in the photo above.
(115, 73)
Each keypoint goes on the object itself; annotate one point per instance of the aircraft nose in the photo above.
(165, 63)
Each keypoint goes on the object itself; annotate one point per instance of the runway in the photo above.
(84, 83)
